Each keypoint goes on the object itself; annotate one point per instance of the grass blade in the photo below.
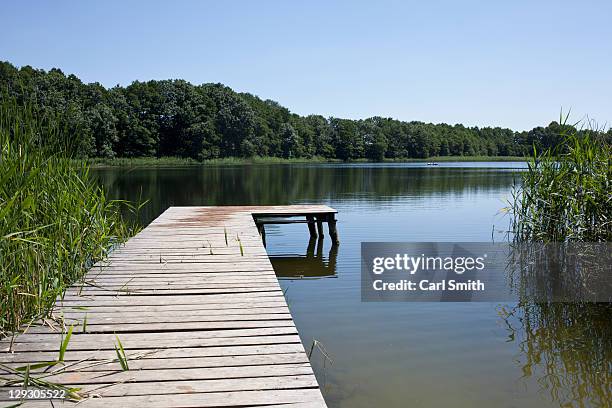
(64, 345)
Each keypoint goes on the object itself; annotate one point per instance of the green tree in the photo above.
(375, 146)
(291, 144)
(345, 139)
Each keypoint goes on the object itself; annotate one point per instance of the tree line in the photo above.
(177, 118)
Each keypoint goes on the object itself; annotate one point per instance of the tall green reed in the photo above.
(54, 220)
(565, 194)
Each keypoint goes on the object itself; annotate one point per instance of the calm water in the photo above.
(401, 354)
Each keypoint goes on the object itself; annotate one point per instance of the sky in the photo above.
(514, 64)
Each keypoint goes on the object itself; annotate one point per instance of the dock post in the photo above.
(331, 225)
(311, 226)
(320, 227)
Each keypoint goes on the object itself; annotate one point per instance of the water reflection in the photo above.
(566, 348)
(564, 338)
(312, 265)
(288, 184)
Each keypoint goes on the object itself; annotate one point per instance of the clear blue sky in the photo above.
(510, 63)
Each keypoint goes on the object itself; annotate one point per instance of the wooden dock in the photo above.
(195, 304)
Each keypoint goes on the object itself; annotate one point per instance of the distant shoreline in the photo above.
(178, 161)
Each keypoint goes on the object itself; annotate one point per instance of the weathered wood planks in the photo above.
(195, 302)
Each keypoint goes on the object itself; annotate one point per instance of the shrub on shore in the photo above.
(566, 194)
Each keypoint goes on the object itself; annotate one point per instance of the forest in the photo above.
(174, 118)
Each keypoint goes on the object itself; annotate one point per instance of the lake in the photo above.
(401, 354)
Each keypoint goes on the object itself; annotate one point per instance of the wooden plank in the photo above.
(120, 318)
(135, 313)
(138, 280)
(171, 287)
(186, 362)
(311, 397)
(190, 387)
(181, 270)
(139, 293)
(204, 247)
(172, 261)
(101, 284)
(174, 283)
(124, 270)
(163, 337)
(155, 300)
(207, 308)
(167, 243)
(196, 265)
(171, 281)
(153, 258)
(156, 327)
(162, 354)
(222, 385)
(153, 344)
(110, 274)
(184, 374)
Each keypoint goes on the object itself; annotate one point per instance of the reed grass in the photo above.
(64, 344)
(566, 193)
(55, 221)
(121, 356)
